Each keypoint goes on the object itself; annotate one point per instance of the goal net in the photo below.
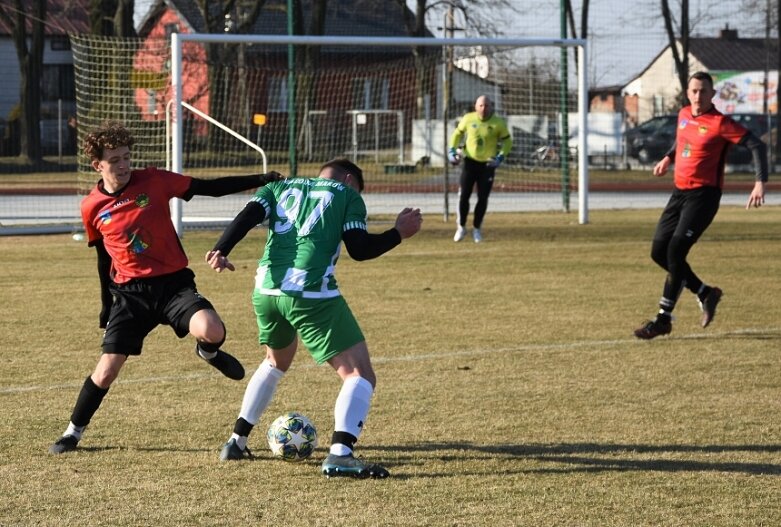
(388, 104)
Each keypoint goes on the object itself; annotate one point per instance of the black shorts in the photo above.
(688, 213)
(144, 303)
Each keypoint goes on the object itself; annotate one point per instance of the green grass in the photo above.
(510, 390)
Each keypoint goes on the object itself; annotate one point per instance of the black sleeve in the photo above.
(252, 214)
(104, 274)
(223, 186)
(364, 246)
(758, 152)
(671, 152)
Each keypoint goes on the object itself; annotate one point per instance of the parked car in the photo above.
(757, 124)
(525, 148)
(649, 141)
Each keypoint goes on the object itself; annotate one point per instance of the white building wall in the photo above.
(9, 71)
(658, 87)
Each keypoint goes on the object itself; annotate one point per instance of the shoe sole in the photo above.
(336, 472)
(58, 449)
(706, 319)
(339, 472)
(649, 337)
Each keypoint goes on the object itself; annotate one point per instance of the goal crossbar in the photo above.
(178, 39)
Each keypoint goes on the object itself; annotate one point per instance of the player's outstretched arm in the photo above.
(222, 186)
(252, 215)
(408, 222)
(757, 196)
(362, 245)
(218, 261)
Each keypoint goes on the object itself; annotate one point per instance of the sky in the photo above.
(624, 36)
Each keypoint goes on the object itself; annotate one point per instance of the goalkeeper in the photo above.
(487, 143)
(142, 266)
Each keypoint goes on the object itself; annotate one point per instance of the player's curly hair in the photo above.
(110, 135)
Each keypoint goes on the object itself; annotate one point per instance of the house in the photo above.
(58, 94)
(261, 89)
(738, 68)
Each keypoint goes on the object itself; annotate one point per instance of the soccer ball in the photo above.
(292, 437)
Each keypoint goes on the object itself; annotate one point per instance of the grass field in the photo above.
(510, 388)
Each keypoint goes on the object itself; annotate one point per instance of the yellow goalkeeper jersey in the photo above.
(484, 139)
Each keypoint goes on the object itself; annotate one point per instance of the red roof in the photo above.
(62, 16)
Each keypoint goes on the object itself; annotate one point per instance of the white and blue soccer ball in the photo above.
(292, 437)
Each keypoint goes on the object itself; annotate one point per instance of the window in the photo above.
(57, 82)
(658, 105)
(60, 43)
(277, 94)
(370, 94)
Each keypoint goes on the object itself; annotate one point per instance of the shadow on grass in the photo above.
(567, 457)
(574, 457)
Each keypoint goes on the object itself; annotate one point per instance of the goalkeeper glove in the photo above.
(453, 157)
(495, 161)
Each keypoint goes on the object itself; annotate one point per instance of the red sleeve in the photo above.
(731, 131)
(87, 212)
(176, 185)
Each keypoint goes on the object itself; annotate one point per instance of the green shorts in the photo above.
(327, 326)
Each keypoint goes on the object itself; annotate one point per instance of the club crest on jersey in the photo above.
(683, 123)
(137, 245)
(702, 129)
(105, 217)
(142, 200)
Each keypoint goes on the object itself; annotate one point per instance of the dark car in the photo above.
(525, 148)
(756, 123)
(649, 141)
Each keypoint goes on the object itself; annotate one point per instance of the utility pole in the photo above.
(564, 111)
(447, 80)
(291, 95)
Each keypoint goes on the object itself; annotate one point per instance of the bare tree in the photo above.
(571, 21)
(307, 61)
(476, 18)
(18, 16)
(112, 18)
(226, 16)
(681, 57)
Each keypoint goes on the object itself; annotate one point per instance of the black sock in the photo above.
(702, 295)
(344, 438)
(242, 427)
(88, 402)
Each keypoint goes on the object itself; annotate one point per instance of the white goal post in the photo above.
(178, 40)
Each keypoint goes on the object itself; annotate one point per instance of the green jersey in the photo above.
(306, 220)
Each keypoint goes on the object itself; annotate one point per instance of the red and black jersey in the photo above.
(135, 224)
(701, 147)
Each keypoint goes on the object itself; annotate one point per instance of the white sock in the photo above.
(351, 409)
(241, 441)
(74, 431)
(259, 391)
